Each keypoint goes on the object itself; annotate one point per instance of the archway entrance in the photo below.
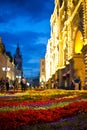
(79, 65)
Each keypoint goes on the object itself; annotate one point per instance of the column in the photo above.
(69, 30)
(84, 49)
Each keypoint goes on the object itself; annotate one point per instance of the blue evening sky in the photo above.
(26, 22)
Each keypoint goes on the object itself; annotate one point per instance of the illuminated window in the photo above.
(78, 42)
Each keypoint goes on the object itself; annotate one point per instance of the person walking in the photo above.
(77, 83)
(72, 84)
(15, 84)
(23, 84)
(7, 84)
(2, 85)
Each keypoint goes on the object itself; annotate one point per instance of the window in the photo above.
(61, 1)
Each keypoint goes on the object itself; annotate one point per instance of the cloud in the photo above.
(27, 40)
(34, 10)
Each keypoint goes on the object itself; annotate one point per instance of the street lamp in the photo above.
(5, 69)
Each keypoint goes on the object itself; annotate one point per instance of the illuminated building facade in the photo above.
(6, 66)
(66, 52)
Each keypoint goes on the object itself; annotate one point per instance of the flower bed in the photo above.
(31, 109)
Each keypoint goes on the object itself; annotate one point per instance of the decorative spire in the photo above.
(18, 49)
(1, 46)
(18, 57)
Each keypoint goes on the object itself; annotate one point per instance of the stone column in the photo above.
(60, 62)
(84, 49)
(84, 4)
(69, 30)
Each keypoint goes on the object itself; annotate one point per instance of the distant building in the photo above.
(42, 72)
(18, 63)
(33, 82)
(36, 81)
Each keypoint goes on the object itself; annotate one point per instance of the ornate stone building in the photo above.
(66, 55)
(6, 66)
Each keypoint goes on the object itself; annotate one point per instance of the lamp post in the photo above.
(5, 69)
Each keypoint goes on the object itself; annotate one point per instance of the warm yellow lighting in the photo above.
(42, 78)
(78, 42)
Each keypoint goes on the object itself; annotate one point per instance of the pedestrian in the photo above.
(77, 83)
(72, 84)
(23, 84)
(2, 84)
(15, 84)
(7, 84)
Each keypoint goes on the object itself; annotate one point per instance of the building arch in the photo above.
(79, 33)
(78, 42)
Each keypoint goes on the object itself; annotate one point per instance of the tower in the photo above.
(18, 62)
(18, 58)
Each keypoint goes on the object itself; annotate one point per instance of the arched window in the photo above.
(78, 42)
(60, 1)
